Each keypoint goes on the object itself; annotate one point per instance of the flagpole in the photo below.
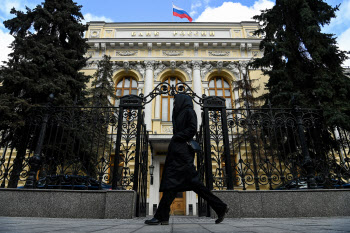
(172, 13)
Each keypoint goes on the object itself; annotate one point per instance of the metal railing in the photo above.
(84, 148)
(61, 147)
(275, 149)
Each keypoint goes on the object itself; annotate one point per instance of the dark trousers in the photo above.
(169, 196)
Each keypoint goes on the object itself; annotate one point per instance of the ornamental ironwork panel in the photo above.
(165, 88)
(286, 149)
(132, 151)
(253, 149)
(216, 144)
(68, 148)
(264, 147)
(84, 148)
(127, 151)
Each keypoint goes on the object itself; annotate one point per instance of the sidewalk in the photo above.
(177, 224)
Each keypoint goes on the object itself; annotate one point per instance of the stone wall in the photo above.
(286, 203)
(68, 203)
(121, 204)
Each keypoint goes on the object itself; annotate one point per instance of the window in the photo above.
(168, 101)
(220, 87)
(125, 86)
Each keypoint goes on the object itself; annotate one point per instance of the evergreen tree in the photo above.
(102, 90)
(48, 53)
(101, 96)
(304, 68)
(246, 86)
(302, 62)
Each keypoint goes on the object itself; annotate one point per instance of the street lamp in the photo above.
(151, 169)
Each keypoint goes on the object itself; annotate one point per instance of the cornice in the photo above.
(173, 59)
(164, 40)
(172, 24)
(176, 43)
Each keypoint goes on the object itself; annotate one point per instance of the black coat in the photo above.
(179, 172)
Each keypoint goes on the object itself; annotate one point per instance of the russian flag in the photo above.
(177, 11)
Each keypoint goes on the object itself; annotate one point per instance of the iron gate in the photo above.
(132, 146)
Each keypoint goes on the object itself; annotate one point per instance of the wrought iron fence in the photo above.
(79, 148)
(66, 147)
(107, 148)
(275, 149)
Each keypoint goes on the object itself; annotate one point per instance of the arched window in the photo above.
(220, 87)
(126, 86)
(168, 101)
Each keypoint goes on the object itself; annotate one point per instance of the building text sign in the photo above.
(173, 34)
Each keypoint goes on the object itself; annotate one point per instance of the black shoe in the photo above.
(155, 221)
(221, 216)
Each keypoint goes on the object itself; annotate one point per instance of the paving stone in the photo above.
(114, 230)
(221, 228)
(155, 229)
(189, 227)
(177, 224)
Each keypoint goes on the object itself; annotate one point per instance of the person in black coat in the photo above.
(179, 172)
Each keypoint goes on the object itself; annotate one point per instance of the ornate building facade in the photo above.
(202, 55)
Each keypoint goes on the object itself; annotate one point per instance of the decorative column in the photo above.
(197, 87)
(157, 110)
(159, 67)
(206, 88)
(147, 90)
(191, 198)
(234, 85)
